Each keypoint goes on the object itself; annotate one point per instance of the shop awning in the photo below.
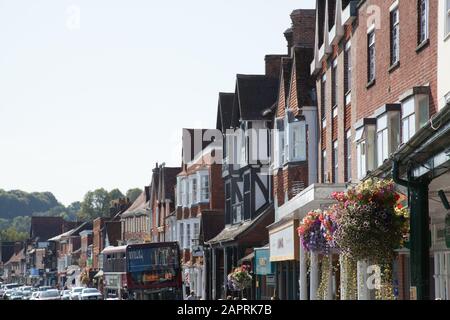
(251, 232)
(98, 274)
(247, 258)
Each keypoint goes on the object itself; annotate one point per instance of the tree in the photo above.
(133, 194)
(97, 203)
(115, 194)
(12, 234)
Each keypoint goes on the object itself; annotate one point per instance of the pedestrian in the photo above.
(191, 296)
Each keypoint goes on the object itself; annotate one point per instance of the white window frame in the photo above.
(361, 153)
(323, 93)
(324, 167)
(348, 159)
(179, 192)
(334, 84)
(447, 20)
(194, 190)
(335, 161)
(424, 34)
(188, 236)
(371, 74)
(414, 115)
(395, 41)
(204, 187)
(276, 158)
(348, 84)
(382, 139)
(298, 139)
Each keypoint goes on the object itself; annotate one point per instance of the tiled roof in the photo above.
(138, 207)
(224, 111)
(17, 257)
(43, 228)
(254, 94)
(252, 230)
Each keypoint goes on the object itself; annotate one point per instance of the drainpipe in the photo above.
(420, 230)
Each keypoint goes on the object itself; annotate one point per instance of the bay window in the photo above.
(348, 156)
(415, 114)
(365, 147)
(297, 144)
(179, 193)
(237, 213)
(382, 139)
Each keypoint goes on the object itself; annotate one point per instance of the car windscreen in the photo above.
(90, 291)
(49, 294)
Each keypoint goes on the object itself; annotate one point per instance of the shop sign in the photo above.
(270, 280)
(262, 262)
(283, 244)
(197, 251)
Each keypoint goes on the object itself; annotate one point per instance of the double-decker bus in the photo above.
(154, 271)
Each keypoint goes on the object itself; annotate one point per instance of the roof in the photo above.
(168, 180)
(211, 223)
(17, 257)
(305, 83)
(190, 148)
(114, 249)
(74, 232)
(252, 231)
(254, 93)
(224, 111)
(138, 207)
(43, 228)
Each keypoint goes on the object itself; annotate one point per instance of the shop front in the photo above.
(284, 249)
(114, 284)
(264, 272)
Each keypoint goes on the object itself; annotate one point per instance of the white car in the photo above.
(51, 294)
(75, 293)
(91, 294)
(65, 295)
(35, 295)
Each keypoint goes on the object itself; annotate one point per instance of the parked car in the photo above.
(65, 295)
(51, 294)
(91, 294)
(75, 293)
(27, 294)
(6, 287)
(8, 294)
(44, 288)
(35, 295)
(16, 295)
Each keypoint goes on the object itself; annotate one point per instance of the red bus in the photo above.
(154, 271)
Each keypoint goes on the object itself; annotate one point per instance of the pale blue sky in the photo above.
(99, 105)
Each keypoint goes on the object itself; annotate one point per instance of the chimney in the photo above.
(303, 27)
(147, 193)
(289, 35)
(273, 65)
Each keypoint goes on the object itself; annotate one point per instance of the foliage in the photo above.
(371, 225)
(240, 279)
(97, 203)
(16, 203)
(133, 194)
(11, 234)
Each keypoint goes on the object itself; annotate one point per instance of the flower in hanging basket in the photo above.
(316, 231)
(370, 224)
(240, 278)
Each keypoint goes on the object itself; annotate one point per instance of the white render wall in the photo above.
(443, 56)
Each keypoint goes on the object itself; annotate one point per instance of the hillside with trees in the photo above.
(17, 207)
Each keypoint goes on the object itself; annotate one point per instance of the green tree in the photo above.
(133, 194)
(95, 204)
(11, 234)
(115, 194)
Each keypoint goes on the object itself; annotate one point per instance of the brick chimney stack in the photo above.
(303, 28)
(273, 65)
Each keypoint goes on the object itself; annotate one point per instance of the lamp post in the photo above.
(419, 233)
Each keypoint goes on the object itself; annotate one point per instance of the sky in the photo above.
(94, 93)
